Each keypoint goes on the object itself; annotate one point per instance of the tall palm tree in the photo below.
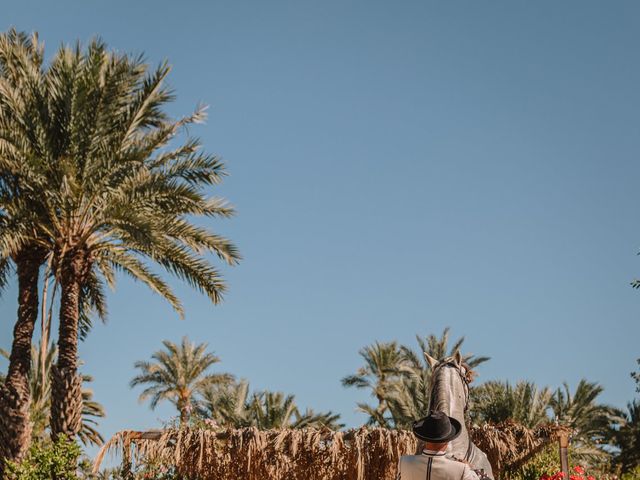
(383, 363)
(120, 189)
(21, 244)
(590, 420)
(498, 401)
(179, 374)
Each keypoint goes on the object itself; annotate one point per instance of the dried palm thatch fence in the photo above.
(252, 454)
(509, 445)
(308, 454)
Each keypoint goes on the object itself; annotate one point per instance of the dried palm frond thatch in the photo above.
(509, 445)
(306, 454)
(252, 454)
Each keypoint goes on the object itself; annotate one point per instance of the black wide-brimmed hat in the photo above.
(437, 428)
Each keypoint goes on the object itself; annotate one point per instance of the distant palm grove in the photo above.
(98, 181)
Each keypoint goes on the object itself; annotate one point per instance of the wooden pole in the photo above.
(564, 454)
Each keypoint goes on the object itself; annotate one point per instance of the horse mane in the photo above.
(471, 374)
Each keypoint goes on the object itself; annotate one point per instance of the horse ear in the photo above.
(458, 357)
(430, 360)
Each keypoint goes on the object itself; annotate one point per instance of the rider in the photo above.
(436, 430)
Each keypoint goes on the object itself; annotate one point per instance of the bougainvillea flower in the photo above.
(578, 469)
(590, 477)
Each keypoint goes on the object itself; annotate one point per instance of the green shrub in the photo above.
(546, 462)
(632, 475)
(47, 461)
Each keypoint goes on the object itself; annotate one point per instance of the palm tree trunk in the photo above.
(184, 407)
(382, 405)
(66, 384)
(15, 425)
(184, 416)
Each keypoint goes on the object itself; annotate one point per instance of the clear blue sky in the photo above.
(397, 167)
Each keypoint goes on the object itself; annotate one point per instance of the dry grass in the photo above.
(307, 454)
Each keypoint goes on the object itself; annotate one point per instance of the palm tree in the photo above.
(438, 349)
(498, 402)
(40, 406)
(636, 377)
(310, 419)
(227, 404)
(590, 421)
(400, 378)
(178, 375)
(383, 367)
(230, 405)
(131, 198)
(408, 399)
(91, 411)
(627, 438)
(119, 192)
(275, 410)
(21, 242)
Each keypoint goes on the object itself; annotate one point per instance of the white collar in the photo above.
(436, 453)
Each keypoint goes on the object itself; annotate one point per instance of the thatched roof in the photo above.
(306, 454)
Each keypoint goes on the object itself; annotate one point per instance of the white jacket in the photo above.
(433, 466)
